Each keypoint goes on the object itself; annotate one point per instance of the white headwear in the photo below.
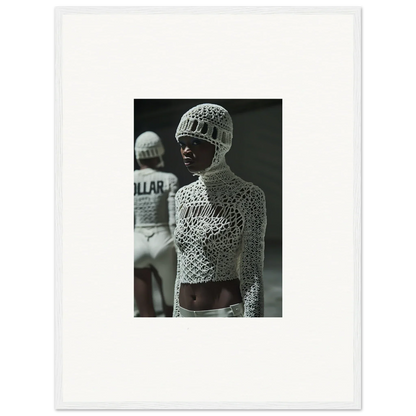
(209, 122)
(148, 145)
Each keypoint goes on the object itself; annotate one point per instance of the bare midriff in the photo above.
(211, 295)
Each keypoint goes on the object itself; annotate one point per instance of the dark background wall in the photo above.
(256, 153)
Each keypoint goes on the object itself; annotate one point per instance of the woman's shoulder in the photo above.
(250, 195)
(255, 190)
(245, 189)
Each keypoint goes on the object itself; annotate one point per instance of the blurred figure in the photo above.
(154, 223)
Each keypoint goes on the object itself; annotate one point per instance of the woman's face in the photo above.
(197, 154)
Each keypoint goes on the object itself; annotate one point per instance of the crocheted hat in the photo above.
(148, 145)
(209, 122)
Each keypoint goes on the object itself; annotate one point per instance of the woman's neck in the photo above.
(217, 174)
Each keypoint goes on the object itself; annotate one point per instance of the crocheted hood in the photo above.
(148, 145)
(212, 123)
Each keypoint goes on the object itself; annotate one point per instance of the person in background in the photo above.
(154, 222)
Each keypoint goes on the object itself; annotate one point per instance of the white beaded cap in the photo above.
(148, 145)
(209, 122)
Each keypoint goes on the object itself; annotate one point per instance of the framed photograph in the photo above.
(257, 124)
(289, 81)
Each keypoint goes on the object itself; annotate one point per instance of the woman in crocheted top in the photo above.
(220, 224)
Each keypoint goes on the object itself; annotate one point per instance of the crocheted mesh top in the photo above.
(154, 198)
(220, 228)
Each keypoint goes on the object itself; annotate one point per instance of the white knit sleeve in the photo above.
(176, 294)
(173, 187)
(178, 268)
(252, 255)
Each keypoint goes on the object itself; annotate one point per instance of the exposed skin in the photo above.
(211, 295)
(143, 292)
(197, 155)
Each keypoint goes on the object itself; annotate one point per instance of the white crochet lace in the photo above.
(154, 198)
(220, 218)
(220, 228)
(148, 145)
(212, 123)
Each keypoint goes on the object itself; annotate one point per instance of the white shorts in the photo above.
(232, 311)
(153, 246)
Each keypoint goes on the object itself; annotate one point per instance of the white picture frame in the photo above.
(309, 57)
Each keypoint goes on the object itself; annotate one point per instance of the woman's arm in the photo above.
(252, 255)
(176, 314)
(173, 187)
(176, 294)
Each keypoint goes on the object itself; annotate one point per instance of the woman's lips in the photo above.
(188, 161)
